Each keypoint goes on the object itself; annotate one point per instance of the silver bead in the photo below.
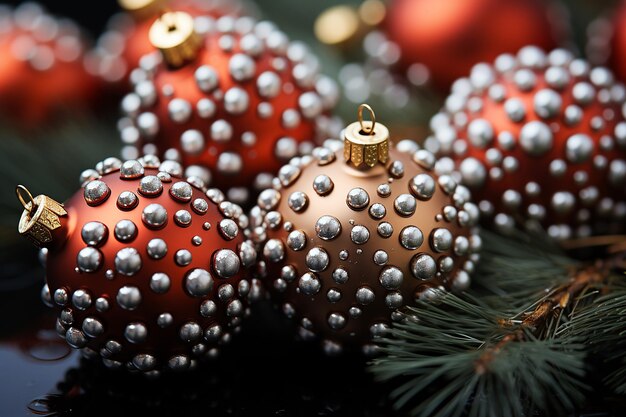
(336, 321)
(423, 266)
(182, 257)
(473, 172)
(411, 237)
(317, 259)
(274, 250)
(206, 78)
(380, 257)
(377, 211)
(81, 299)
(241, 67)
(327, 227)
(75, 338)
(365, 296)
(198, 282)
(296, 240)
(229, 163)
(131, 169)
(322, 184)
(136, 332)
(226, 263)
(357, 199)
(441, 240)
(340, 276)
(391, 278)
(165, 320)
(179, 110)
(154, 215)
(92, 327)
(359, 234)
(128, 297)
(127, 261)
(89, 259)
(127, 200)
(236, 100)
(422, 186)
(298, 201)
(125, 231)
(160, 282)
(150, 186)
(208, 308)
(190, 332)
(221, 131)
(385, 229)
(156, 248)
(547, 103)
(405, 204)
(181, 191)
(536, 138)
(309, 284)
(96, 192)
(579, 148)
(480, 133)
(192, 141)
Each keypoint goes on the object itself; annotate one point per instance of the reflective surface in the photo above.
(262, 373)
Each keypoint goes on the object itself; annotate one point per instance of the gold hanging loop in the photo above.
(369, 130)
(28, 206)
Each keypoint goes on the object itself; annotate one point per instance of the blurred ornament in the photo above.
(538, 138)
(432, 43)
(345, 25)
(145, 270)
(121, 46)
(606, 42)
(233, 100)
(352, 235)
(42, 71)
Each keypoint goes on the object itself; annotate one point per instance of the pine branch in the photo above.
(506, 354)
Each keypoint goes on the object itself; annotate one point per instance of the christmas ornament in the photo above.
(350, 236)
(538, 137)
(42, 70)
(607, 40)
(448, 38)
(232, 101)
(126, 39)
(145, 270)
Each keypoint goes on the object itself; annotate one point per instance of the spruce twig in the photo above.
(481, 356)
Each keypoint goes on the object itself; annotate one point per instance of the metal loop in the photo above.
(18, 191)
(367, 131)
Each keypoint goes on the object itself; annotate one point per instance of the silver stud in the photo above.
(190, 332)
(359, 234)
(322, 184)
(226, 263)
(441, 239)
(340, 276)
(75, 338)
(182, 257)
(198, 282)
(165, 320)
(160, 282)
(150, 186)
(327, 227)
(405, 204)
(81, 299)
(296, 240)
(127, 261)
(385, 229)
(96, 192)
(156, 248)
(92, 327)
(154, 215)
(127, 200)
(357, 198)
(136, 332)
(317, 259)
(125, 231)
(298, 201)
(377, 211)
(380, 257)
(391, 278)
(536, 138)
(241, 67)
(206, 78)
(579, 148)
(128, 297)
(423, 266)
(309, 284)
(365, 296)
(274, 250)
(131, 169)
(411, 237)
(236, 100)
(336, 321)
(89, 259)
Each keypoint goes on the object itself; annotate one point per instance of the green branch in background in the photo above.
(523, 342)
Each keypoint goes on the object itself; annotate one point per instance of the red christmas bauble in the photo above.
(248, 102)
(449, 37)
(538, 137)
(345, 249)
(126, 39)
(145, 269)
(41, 70)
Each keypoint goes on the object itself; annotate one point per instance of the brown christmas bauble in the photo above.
(538, 137)
(449, 37)
(126, 40)
(233, 102)
(41, 71)
(145, 269)
(351, 236)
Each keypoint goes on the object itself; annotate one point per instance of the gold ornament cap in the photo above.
(366, 143)
(41, 218)
(173, 33)
(142, 8)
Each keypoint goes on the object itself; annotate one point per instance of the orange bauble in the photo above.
(245, 104)
(539, 137)
(346, 246)
(146, 270)
(449, 37)
(41, 70)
